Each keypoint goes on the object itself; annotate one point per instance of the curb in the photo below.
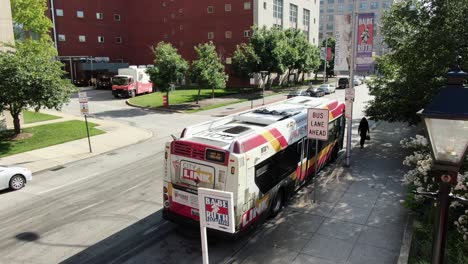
(406, 243)
(152, 108)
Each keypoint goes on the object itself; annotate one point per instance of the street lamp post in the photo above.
(446, 123)
(263, 74)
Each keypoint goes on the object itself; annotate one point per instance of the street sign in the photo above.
(252, 81)
(216, 209)
(349, 94)
(84, 109)
(317, 124)
(83, 98)
(348, 109)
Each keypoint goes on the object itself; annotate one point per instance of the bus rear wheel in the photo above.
(277, 203)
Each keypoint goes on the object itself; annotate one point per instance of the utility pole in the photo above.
(351, 83)
(325, 60)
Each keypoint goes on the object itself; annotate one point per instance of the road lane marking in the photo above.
(151, 230)
(67, 184)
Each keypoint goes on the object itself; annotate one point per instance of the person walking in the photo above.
(363, 130)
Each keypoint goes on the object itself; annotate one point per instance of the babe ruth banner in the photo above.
(216, 209)
(343, 42)
(365, 40)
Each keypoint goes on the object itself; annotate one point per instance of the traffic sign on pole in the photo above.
(317, 124)
(349, 94)
(83, 97)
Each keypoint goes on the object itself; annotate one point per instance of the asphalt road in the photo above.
(107, 209)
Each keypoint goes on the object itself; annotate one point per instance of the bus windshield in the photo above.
(120, 81)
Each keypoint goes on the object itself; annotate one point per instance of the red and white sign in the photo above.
(82, 97)
(349, 94)
(348, 109)
(317, 124)
(216, 209)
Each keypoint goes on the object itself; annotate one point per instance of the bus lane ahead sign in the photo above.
(216, 209)
(317, 123)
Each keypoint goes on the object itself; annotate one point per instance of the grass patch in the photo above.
(45, 135)
(178, 97)
(215, 106)
(421, 244)
(33, 117)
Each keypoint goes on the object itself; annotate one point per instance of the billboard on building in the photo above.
(343, 41)
(365, 40)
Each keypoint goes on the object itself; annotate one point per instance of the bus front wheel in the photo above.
(277, 203)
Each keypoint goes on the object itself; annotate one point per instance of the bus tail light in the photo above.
(233, 170)
(165, 197)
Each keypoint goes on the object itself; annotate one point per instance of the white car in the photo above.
(328, 88)
(14, 178)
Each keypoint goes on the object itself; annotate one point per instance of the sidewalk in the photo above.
(116, 136)
(358, 217)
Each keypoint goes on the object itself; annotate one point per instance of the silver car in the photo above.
(328, 88)
(14, 178)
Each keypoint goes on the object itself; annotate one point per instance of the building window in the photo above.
(210, 35)
(246, 33)
(374, 5)
(227, 7)
(181, 10)
(118, 40)
(264, 5)
(315, 21)
(99, 16)
(329, 26)
(386, 4)
(331, 18)
(61, 37)
(321, 11)
(293, 15)
(181, 27)
(278, 13)
(362, 6)
(330, 10)
(59, 12)
(306, 20)
(80, 14)
(116, 17)
(100, 39)
(210, 9)
(350, 7)
(228, 34)
(247, 6)
(340, 8)
(82, 38)
(331, 1)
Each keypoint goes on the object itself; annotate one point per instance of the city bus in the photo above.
(261, 155)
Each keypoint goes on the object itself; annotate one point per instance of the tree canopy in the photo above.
(424, 37)
(169, 66)
(207, 69)
(275, 51)
(31, 77)
(30, 16)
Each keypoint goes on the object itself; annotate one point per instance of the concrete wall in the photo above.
(6, 35)
(263, 15)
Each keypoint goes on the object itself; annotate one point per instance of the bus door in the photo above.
(301, 171)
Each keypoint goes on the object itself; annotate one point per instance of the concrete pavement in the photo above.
(117, 135)
(358, 218)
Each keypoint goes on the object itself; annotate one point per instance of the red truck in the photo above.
(130, 82)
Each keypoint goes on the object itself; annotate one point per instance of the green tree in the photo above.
(305, 57)
(265, 52)
(207, 69)
(169, 67)
(425, 36)
(31, 77)
(30, 16)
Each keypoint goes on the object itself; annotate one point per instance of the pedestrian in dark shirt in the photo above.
(363, 130)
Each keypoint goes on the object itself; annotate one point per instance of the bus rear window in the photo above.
(215, 155)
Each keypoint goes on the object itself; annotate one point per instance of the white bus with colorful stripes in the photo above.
(261, 155)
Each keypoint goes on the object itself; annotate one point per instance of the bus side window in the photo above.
(273, 170)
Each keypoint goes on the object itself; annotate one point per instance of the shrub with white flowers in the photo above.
(421, 163)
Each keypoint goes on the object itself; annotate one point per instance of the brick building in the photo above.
(125, 31)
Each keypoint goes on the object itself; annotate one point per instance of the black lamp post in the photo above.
(446, 123)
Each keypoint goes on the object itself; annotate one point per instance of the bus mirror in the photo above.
(174, 138)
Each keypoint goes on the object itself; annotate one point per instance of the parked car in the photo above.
(298, 93)
(14, 178)
(343, 83)
(104, 82)
(316, 91)
(328, 88)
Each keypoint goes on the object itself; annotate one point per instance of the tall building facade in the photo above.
(123, 31)
(330, 8)
(6, 22)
